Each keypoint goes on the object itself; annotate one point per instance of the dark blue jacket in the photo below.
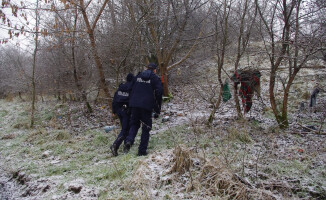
(121, 96)
(147, 92)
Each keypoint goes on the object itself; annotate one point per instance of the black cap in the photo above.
(130, 76)
(152, 66)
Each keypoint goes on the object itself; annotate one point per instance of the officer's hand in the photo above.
(155, 116)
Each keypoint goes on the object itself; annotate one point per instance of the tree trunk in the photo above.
(80, 89)
(64, 98)
(277, 58)
(241, 40)
(236, 100)
(20, 96)
(34, 66)
(90, 31)
(215, 106)
(220, 58)
(164, 77)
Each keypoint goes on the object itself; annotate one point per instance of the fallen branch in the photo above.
(298, 133)
(312, 130)
(305, 133)
(242, 180)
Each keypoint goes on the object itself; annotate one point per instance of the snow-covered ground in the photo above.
(66, 156)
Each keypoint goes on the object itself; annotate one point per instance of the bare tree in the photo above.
(246, 23)
(166, 24)
(91, 18)
(14, 71)
(233, 24)
(285, 40)
(221, 42)
(34, 62)
(66, 24)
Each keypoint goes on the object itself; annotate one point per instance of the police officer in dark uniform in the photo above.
(146, 97)
(120, 106)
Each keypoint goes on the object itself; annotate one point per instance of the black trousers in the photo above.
(139, 117)
(124, 117)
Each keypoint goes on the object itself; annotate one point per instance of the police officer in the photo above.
(146, 97)
(120, 106)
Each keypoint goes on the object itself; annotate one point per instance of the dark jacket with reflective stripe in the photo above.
(146, 92)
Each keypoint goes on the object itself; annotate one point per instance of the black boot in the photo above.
(126, 148)
(114, 150)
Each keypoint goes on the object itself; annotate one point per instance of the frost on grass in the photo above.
(67, 155)
(183, 174)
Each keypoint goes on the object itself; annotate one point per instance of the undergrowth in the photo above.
(51, 151)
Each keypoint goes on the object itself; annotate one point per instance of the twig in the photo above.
(321, 124)
(256, 166)
(316, 132)
(243, 180)
(298, 133)
(243, 160)
(191, 179)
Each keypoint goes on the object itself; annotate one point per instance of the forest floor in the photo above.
(67, 156)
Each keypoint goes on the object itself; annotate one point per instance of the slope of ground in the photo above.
(67, 155)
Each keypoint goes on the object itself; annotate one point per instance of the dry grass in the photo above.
(142, 182)
(8, 137)
(180, 174)
(9, 98)
(217, 180)
(182, 160)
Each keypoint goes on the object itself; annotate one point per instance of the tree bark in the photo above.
(277, 58)
(220, 57)
(242, 41)
(164, 77)
(34, 65)
(90, 31)
(80, 89)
